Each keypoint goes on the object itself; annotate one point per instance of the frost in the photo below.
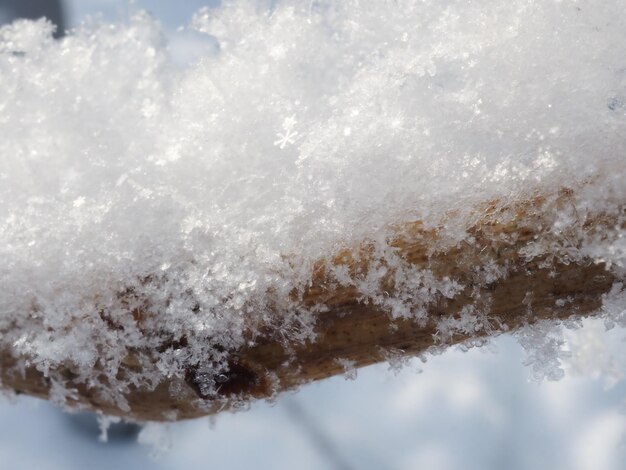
(157, 436)
(153, 217)
(24, 36)
(349, 368)
(288, 136)
(104, 423)
(396, 358)
(469, 322)
(545, 347)
(592, 353)
(614, 306)
(61, 393)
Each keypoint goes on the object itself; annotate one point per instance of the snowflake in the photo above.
(288, 136)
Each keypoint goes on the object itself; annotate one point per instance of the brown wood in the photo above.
(542, 286)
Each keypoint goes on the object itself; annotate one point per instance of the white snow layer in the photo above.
(129, 184)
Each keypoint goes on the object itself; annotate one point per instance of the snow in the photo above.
(144, 202)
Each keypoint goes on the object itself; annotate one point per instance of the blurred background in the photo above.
(460, 410)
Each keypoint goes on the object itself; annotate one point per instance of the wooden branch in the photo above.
(530, 287)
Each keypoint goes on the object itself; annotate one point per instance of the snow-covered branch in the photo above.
(512, 271)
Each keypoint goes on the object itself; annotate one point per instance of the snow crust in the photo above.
(142, 203)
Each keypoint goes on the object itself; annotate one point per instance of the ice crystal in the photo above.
(288, 136)
(157, 436)
(349, 368)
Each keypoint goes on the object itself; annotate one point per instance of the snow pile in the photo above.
(152, 208)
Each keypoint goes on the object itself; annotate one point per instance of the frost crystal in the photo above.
(104, 423)
(153, 218)
(349, 368)
(157, 436)
(289, 135)
(544, 346)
